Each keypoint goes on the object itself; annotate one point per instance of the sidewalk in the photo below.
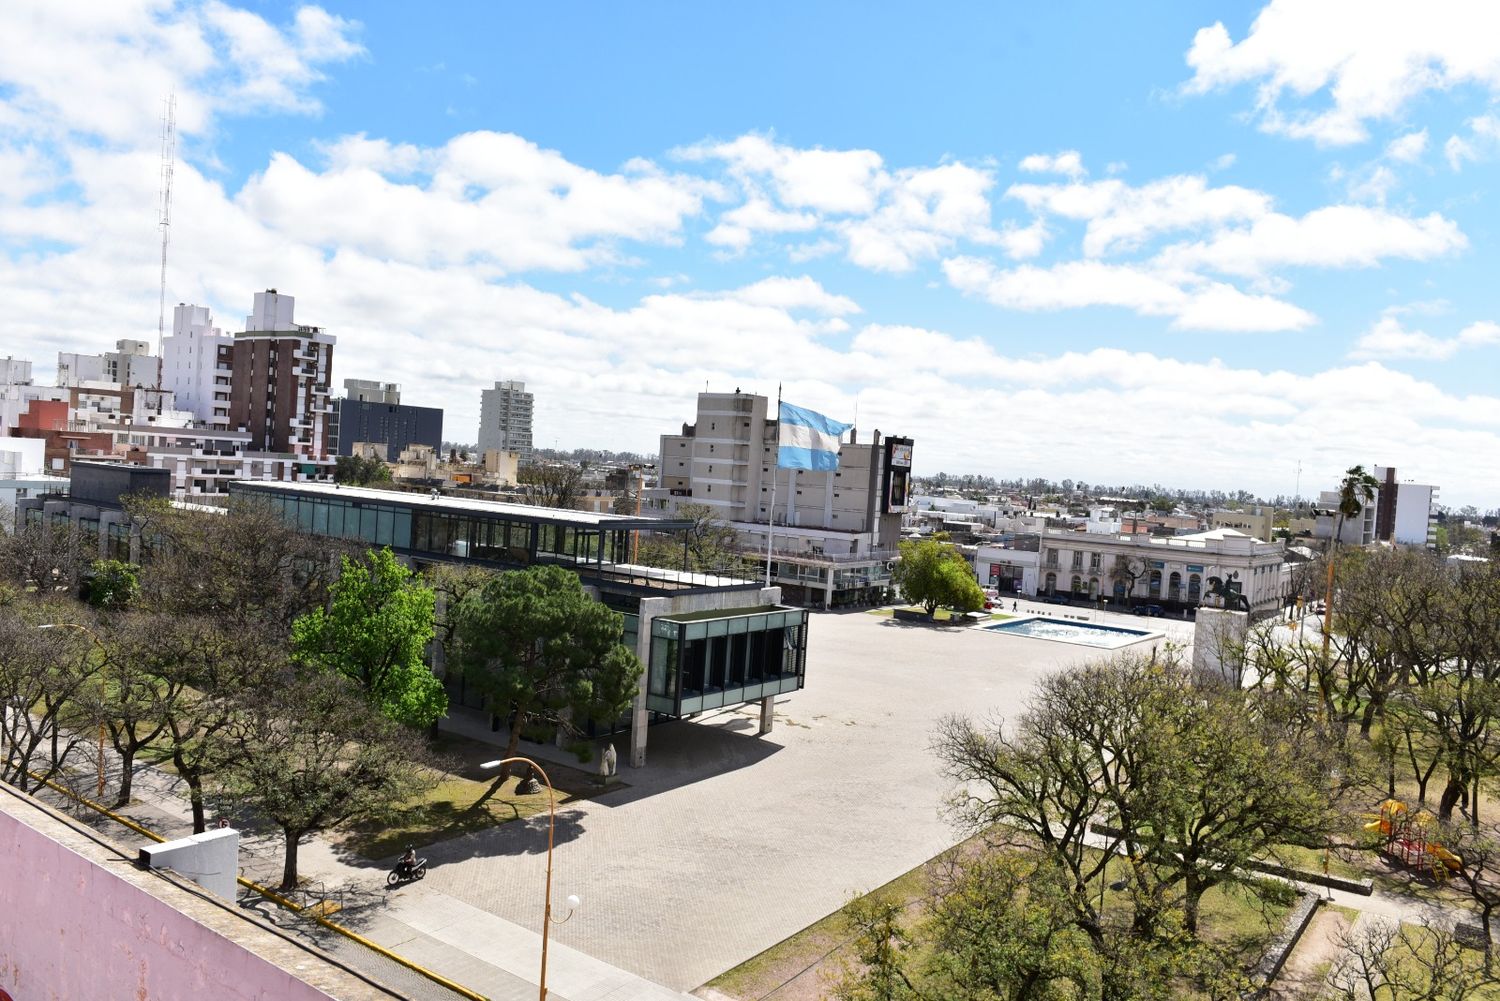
(462, 943)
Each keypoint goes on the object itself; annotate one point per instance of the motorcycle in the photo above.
(404, 872)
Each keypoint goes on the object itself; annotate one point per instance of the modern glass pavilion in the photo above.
(724, 646)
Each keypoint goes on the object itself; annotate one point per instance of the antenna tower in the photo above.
(164, 222)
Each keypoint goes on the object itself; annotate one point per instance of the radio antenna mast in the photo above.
(164, 221)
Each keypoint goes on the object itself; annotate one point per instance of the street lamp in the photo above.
(572, 901)
(93, 636)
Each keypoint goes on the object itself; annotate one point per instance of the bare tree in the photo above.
(45, 674)
(552, 484)
(314, 754)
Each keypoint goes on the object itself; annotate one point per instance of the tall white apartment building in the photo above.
(194, 366)
(505, 418)
(131, 363)
(834, 533)
(1403, 512)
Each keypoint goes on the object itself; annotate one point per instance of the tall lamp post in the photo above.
(100, 643)
(572, 901)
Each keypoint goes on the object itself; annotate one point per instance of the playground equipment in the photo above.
(1406, 839)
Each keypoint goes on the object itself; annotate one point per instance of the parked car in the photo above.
(1150, 610)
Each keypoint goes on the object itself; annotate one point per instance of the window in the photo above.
(1094, 559)
(1077, 560)
(1051, 584)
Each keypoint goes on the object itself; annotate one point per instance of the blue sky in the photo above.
(1179, 243)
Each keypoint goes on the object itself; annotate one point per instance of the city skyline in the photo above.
(1155, 245)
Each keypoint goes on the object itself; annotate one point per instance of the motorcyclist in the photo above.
(408, 861)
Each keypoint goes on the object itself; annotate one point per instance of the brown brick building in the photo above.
(281, 373)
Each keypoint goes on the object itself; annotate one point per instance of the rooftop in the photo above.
(467, 505)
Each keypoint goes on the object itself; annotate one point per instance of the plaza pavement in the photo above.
(725, 843)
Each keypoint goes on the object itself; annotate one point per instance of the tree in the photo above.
(932, 573)
(996, 924)
(111, 584)
(1385, 961)
(551, 484)
(360, 471)
(542, 651)
(246, 565)
(1129, 572)
(313, 754)
(1355, 491)
(375, 631)
(1192, 784)
(140, 683)
(45, 675)
(708, 545)
(44, 556)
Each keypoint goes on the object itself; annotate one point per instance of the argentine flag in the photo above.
(808, 440)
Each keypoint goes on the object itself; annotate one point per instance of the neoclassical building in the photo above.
(1170, 571)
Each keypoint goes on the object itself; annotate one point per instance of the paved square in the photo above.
(725, 844)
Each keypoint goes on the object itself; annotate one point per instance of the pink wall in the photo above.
(71, 930)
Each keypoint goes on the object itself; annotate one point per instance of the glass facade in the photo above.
(512, 540)
(706, 663)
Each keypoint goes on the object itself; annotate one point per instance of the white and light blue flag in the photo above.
(808, 440)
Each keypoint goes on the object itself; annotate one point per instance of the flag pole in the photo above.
(775, 473)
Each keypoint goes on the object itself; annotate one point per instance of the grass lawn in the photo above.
(943, 614)
(454, 806)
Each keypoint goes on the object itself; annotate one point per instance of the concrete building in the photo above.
(1402, 513)
(280, 372)
(23, 474)
(1010, 567)
(505, 418)
(501, 466)
(131, 363)
(1258, 522)
(372, 412)
(835, 533)
(196, 361)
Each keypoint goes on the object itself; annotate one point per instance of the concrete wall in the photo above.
(72, 929)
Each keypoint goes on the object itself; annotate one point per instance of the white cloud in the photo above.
(484, 196)
(1387, 338)
(1457, 150)
(1223, 162)
(103, 69)
(1121, 216)
(1192, 303)
(1069, 163)
(1408, 148)
(1338, 236)
(886, 220)
(1023, 242)
(795, 293)
(1371, 57)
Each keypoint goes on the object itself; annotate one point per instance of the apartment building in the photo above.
(196, 363)
(131, 363)
(280, 372)
(505, 418)
(372, 413)
(1258, 522)
(1402, 513)
(834, 534)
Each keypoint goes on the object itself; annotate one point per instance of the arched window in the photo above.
(1174, 586)
(1156, 583)
(1119, 590)
(1195, 587)
(1077, 584)
(1093, 587)
(1051, 583)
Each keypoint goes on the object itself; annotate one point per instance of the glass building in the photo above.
(736, 650)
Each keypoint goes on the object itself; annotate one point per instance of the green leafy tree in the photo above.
(360, 471)
(375, 631)
(111, 584)
(933, 573)
(542, 651)
(1356, 490)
